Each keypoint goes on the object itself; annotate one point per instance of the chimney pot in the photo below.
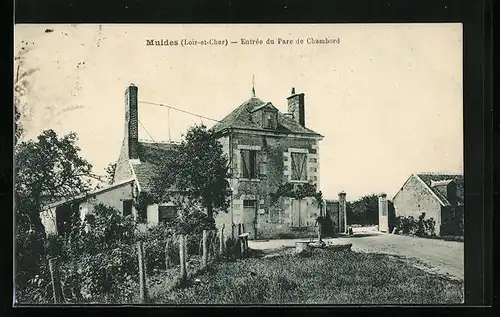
(296, 107)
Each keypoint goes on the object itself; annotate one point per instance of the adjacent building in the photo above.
(439, 196)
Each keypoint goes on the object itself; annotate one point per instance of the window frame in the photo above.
(270, 123)
(252, 173)
(293, 171)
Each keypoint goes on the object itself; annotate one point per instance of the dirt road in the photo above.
(436, 256)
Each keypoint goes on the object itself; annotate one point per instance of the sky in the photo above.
(387, 97)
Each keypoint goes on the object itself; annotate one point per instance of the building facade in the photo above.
(56, 217)
(267, 148)
(439, 196)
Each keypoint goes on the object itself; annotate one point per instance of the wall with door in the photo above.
(259, 164)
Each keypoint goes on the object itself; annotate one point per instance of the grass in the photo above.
(319, 277)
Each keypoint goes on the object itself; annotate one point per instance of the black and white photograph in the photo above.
(218, 164)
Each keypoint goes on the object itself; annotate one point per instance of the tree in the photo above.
(110, 173)
(199, 168)
(364, 211)
(47, 169)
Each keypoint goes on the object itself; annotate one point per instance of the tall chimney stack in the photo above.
(296, 107)
(132, 121)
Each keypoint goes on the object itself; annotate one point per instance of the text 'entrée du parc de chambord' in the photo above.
(242, 41)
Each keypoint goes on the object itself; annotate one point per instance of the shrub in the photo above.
(420, 227)
(101, 265)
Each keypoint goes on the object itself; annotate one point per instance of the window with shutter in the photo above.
(249, 164)
(299, 166)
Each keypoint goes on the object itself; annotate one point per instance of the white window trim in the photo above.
(249, 147)
(296, 150)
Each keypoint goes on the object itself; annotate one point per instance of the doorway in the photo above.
(250, 217)
(299, 213)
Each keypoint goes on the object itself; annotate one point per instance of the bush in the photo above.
(420, 227)
(101, 265)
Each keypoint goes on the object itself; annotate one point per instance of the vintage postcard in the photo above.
(263, 164)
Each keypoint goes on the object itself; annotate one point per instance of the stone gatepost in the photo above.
(383, 213)
(342, 213)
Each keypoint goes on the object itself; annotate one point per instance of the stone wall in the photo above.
(273, 164)
(414, 198)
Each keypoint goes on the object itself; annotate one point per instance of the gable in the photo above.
(435, 183)
(426, 181)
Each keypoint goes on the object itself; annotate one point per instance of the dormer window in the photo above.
(269, 120)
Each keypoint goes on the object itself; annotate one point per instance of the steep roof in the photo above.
(151, 155)
(241, 118)
(431, 178)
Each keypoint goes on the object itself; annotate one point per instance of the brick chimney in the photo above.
(296, 107)
(131, 121)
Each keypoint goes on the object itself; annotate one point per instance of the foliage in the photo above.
(419, 227)
(48, 168)
(110, 173)
(299, 191)
(452, 221)
(363, 211)
(199, 168)
(141, 204)
(92, 264)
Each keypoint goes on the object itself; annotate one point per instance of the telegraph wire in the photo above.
(142, 125)
(177, 109)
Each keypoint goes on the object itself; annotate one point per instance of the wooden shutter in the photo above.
(245, 163)
(299, 166)
(303, 167)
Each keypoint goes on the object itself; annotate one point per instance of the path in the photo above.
(437, 256)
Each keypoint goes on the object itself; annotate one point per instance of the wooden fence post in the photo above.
(182, 255)
(204, 258)
(242, 246)
(167, 256)
(142, 273)
(221, 240)
(56, 282)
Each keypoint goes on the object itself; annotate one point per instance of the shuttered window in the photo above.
(249, 164)
(299, 166)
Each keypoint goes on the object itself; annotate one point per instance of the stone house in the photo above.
(440, 196)
(265, 149)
